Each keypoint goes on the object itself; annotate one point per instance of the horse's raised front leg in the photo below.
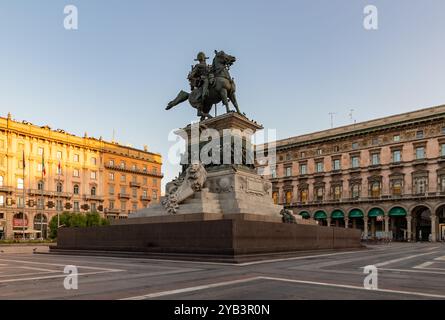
(181, 97)
(224, 99)
(234, 102)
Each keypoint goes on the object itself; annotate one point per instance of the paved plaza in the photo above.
(405, 271)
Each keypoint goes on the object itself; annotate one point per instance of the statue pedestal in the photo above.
(232, 186)
(213, 211)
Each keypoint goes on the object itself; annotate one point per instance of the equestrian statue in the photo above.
(209, 85)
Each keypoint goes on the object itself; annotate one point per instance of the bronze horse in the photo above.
(222, 89)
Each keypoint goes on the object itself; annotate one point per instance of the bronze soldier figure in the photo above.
(209, 85)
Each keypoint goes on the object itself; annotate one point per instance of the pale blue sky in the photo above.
(297, 61)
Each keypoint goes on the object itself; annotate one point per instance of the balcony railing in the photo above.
(6, 189)
(135, 184)
(93, 197)
(145, 198)
(124, 196)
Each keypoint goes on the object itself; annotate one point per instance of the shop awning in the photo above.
(320, 215)
(375, 212)
(356, 213)
(397, 212)
(337, 214)
(305, 214)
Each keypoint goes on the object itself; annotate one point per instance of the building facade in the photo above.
(44, 172)
(132, 180)
(385, 176)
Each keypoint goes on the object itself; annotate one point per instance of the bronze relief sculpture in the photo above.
(209, 85)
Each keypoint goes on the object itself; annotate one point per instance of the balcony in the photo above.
(6, 189)
(124, 196)
(145, 198)
(112, 211)
(36, 192)
(93, 198)
(135, 184)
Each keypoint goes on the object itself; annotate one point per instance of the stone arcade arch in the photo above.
(356, 216)
(421, 222)
(41, 225)
(397, 223)
(440, 216)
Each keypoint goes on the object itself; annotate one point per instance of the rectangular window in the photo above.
(40, 203)
(59, 155)
(76, 158)
(20, 184)
(2, 201)
(355, 162)
(375, 141)
(154, 182)
(336, 164)
(144, 193)
(76, 173)
(93, 161)
(59, 206)
(144, 168)
(319, 167)
(111, 190)
(122, 165)
(154, 194)
(303, 169)
(144, 181)
(123, 177)
(273, 173)
(355, 145)
(111, 204)
(419, 134)
(134, 192)
(93, 175)
(303, 154)
(442, 150)
(288, 171)
(396, 138)
(111, 163)
(133, 167)
(135, 207)
(420, 153)
(111, 176)
(93, 207)
(375, 159)
(123, 205)
(123, 190)
(39, 167)
(396, 156)
(134, 179)
(40, 151)
(76, 206)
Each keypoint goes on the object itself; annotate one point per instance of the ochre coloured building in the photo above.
(385, 176)
(44, 172)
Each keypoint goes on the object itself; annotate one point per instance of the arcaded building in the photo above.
(384, 176)
(44, 172)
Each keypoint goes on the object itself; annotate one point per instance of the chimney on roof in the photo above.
(145, 148)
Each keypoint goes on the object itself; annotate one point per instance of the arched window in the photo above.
(76, 189)
(40, 185)
(93, 191)
(59, 187)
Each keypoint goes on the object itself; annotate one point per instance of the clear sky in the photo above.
(297, 61)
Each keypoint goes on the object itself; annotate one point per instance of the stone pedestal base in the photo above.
(204, 240)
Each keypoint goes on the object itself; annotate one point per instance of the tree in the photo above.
(79, 220)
